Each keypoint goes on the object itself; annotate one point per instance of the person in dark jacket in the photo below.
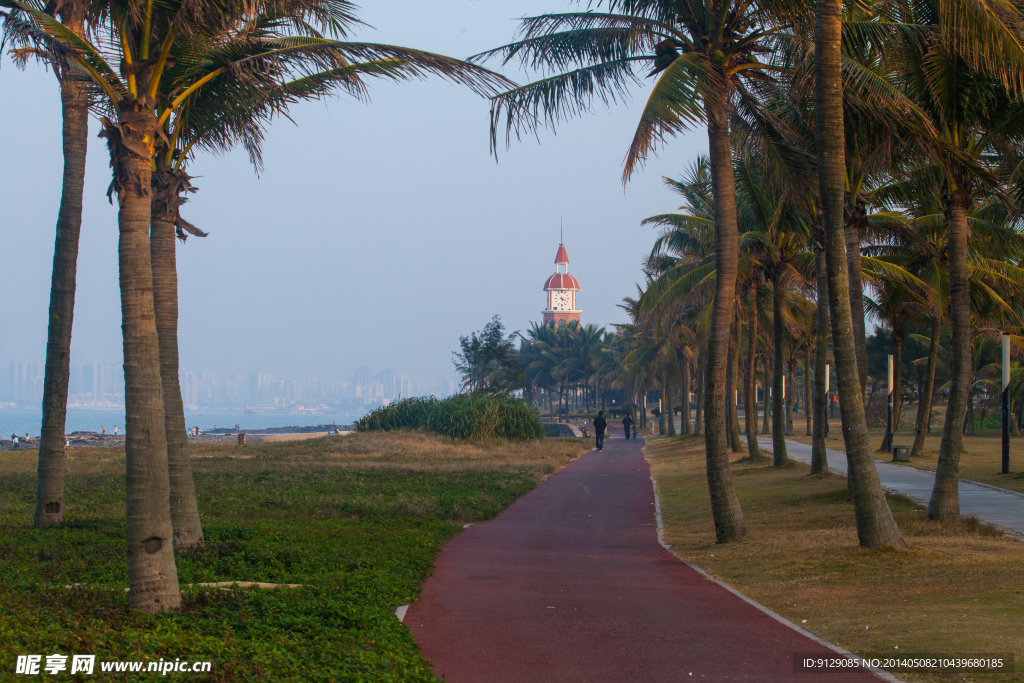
(627, 422)
(600, 424)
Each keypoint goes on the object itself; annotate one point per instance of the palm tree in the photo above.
(819, 426)
(965, 73)
(703, 53)
(775, 238)
(152, 43)
(232, 109)
(876, 526)
(750, 407)
(75, 131)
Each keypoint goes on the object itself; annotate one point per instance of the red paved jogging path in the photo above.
(571, 584)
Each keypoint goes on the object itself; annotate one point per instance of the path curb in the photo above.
(881, 673)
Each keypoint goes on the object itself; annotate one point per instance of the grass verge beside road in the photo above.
(356, 520)
(959, 590)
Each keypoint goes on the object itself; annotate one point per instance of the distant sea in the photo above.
(20, 420)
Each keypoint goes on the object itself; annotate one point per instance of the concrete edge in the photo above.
(881, 673)
(400, 612)
(994, 488)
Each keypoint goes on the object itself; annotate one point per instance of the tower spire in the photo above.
(561, 239)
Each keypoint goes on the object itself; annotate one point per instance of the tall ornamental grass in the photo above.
(458, 417)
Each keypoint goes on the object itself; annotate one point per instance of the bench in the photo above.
(901, 453)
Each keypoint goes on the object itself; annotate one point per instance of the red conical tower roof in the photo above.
(561, 256)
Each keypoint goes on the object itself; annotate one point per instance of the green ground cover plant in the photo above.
(472, 416)
(355, 520)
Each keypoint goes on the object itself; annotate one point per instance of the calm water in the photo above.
(21, 421)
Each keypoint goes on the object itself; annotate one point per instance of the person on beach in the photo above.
(600, 424)
(115, 430)
(627, 422)
(103, 430)
(14, 438)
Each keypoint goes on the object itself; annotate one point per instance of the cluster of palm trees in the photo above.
(876, 143)
(569, 363)
(168, 80)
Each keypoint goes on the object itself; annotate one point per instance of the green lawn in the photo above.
(356, 530)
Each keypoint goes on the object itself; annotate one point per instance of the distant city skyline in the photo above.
(94, 384)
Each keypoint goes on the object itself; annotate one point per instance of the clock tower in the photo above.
(561, 291)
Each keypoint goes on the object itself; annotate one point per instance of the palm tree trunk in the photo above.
(729, 386)
(730, 524)
(765, 428)
(668, 400)
(684, 366)
(790, 388)
(945, 500)
(698, 408)
(807, 387)
(780, 457)
(969, 422)
(897, 380)
(188, 530)
(733, 388)
(152, 576)
(853, 236)
(924, 409)
(875, 524)
(50, 474)
(819, 458)
(750, 408)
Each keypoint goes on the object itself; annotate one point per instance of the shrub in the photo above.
(458, 417)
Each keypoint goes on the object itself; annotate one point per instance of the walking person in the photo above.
(627, 422)
(14, 438)
(600, 424)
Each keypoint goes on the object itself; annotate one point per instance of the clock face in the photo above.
(561, 301)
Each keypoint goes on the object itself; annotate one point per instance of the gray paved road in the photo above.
(1003, 508)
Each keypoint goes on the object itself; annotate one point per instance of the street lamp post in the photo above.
(828, 415)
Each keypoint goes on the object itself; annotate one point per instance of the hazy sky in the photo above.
(378, 232)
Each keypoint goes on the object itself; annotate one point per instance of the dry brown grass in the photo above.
(358, 450)
(958, 590)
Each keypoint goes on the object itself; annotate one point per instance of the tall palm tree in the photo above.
(229, 110)
(703, 52)
(775, 237)
(150, 43)
(74, 100)
(965, 72)
(819, 426)
(876, 526)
